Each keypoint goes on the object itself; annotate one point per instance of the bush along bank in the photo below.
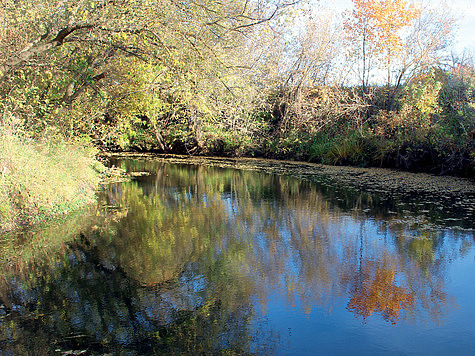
(41, 179)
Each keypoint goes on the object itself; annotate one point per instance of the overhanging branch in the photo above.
(38, 46)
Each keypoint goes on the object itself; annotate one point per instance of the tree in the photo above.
(63, 64)
(424, 45)
(374, 29)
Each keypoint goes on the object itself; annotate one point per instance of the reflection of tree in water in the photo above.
(136, 285)
(192, 250)
(375, 290)
(92, 304)
(294, 239)
(299, 242)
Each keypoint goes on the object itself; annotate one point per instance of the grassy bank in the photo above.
(42, 178)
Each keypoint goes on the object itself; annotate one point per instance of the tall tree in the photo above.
(374, 28)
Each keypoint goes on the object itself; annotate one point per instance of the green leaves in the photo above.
(75, 61)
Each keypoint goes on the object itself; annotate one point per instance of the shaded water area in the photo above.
(198, 259)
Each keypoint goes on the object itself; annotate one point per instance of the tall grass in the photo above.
(42, 179)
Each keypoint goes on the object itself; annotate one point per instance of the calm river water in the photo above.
(188, 259)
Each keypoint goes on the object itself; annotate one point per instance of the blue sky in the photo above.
(464, 11)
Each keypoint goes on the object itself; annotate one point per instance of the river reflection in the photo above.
(195, 259)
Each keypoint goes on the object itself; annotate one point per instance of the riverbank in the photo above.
(26, 208)
(43, 179)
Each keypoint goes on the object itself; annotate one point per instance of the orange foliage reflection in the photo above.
(379, 293)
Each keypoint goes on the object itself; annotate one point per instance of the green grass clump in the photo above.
(39, 180)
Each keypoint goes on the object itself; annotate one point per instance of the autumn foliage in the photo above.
(385, 19)
(252, 78)
(378, 292)
(374, 29)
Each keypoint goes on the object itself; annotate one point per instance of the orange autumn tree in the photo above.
(374, 30)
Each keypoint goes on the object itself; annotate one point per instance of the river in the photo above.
(198, 259)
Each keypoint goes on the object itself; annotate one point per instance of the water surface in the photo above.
(195, 259)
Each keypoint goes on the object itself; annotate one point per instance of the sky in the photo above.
(464, 11)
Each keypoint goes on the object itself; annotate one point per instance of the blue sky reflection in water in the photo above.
(331, 329)
(201, 259)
